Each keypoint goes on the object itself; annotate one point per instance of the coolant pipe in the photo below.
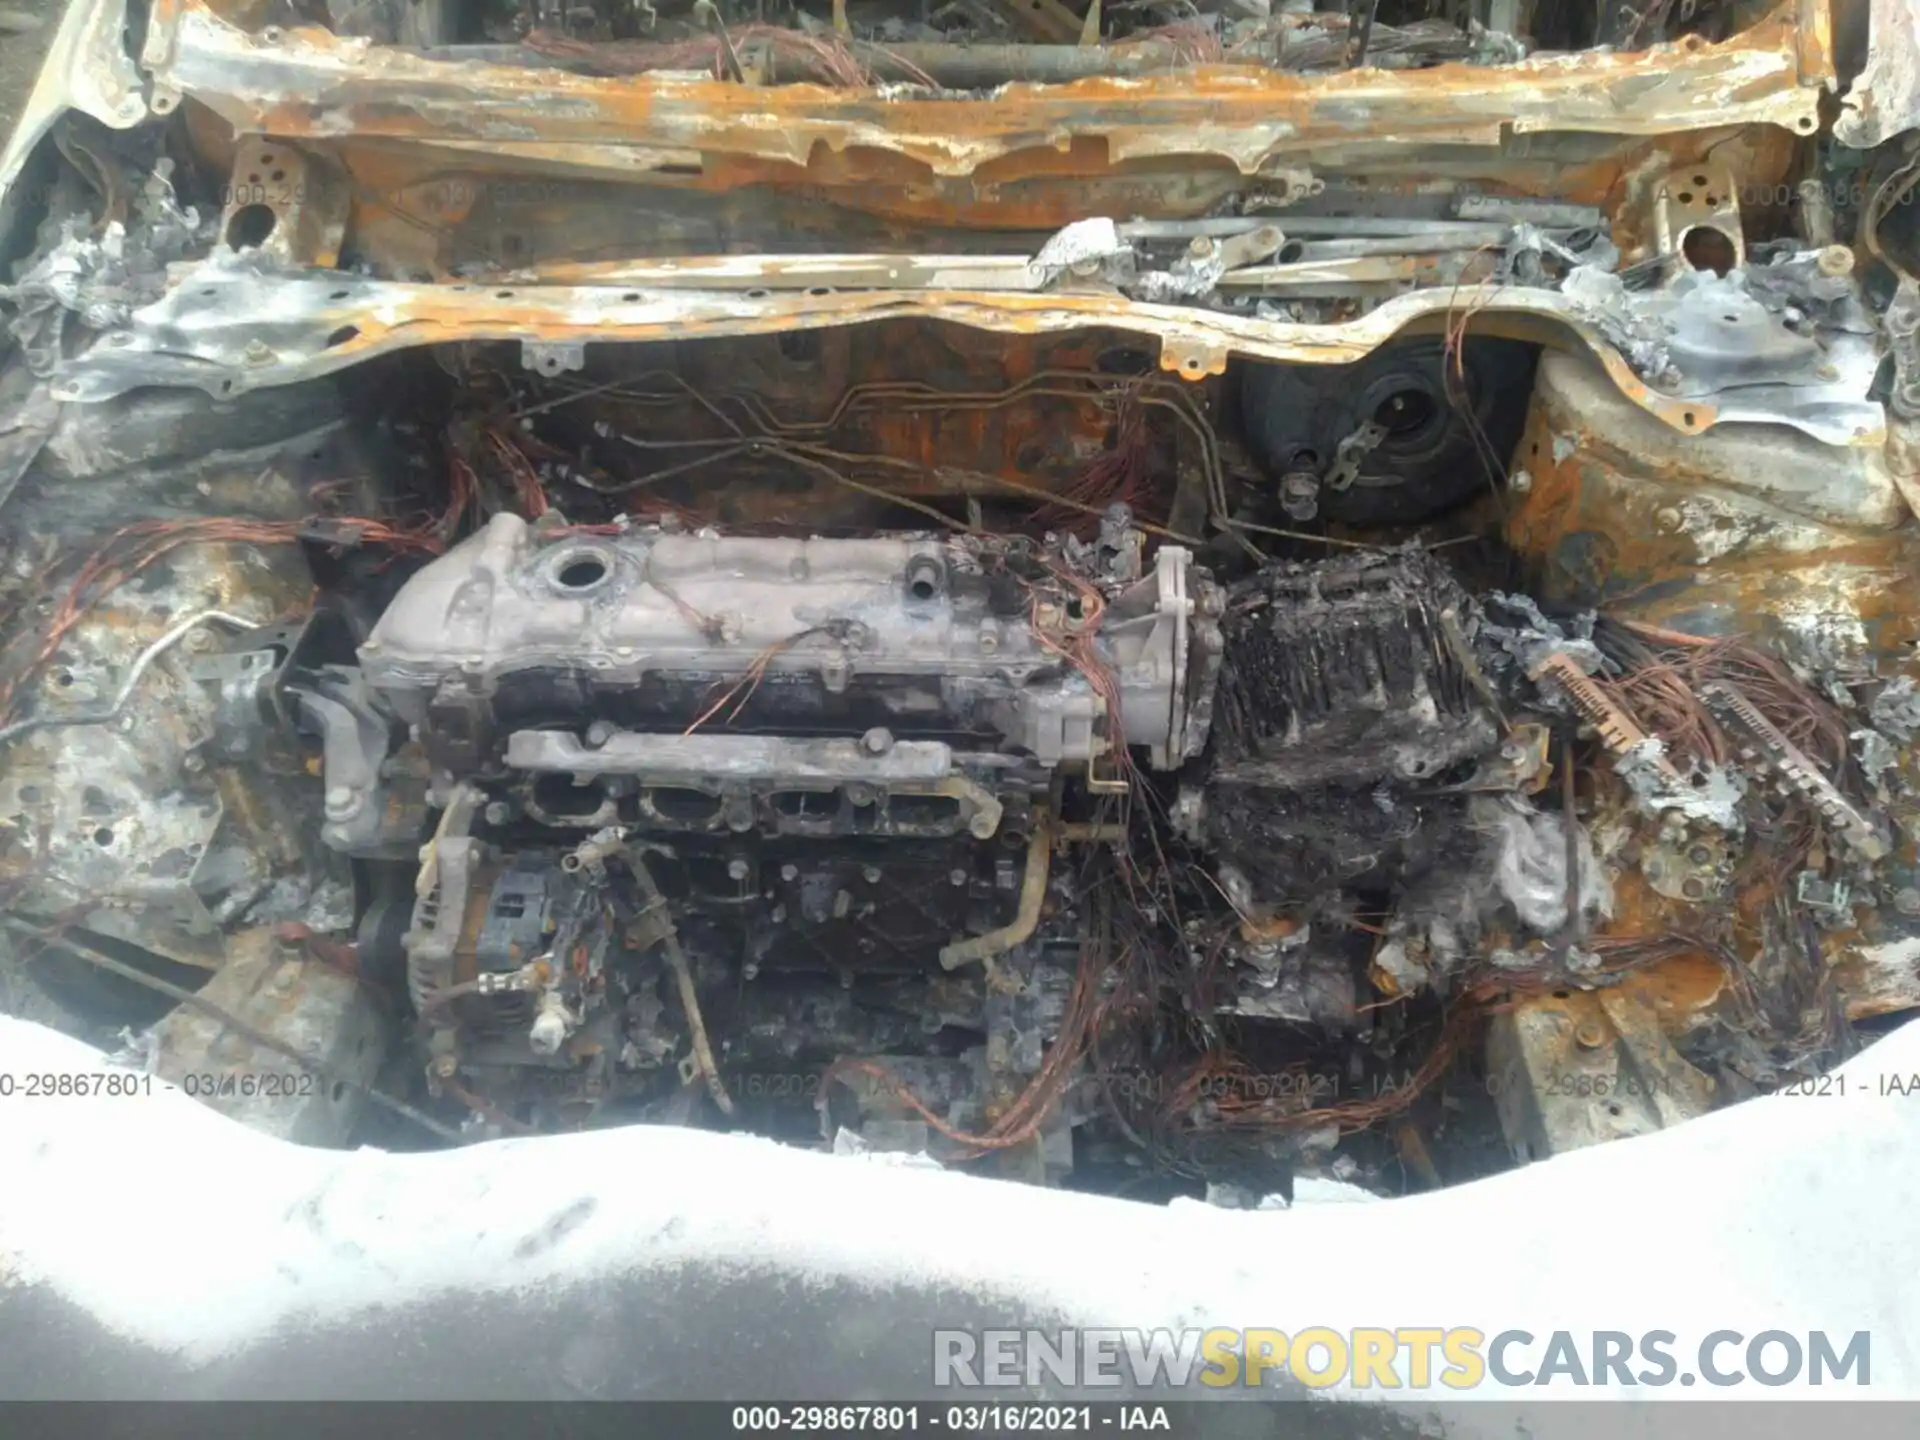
(1033, 894)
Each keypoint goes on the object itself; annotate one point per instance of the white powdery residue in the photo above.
(1711, 796)
(1768, 1214)
(1891, 979)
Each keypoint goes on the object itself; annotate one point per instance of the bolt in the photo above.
(1907, 901)
(1835, 261)
(871, 875)
(737, 869)
(1520, 482)
(749, 970)
(789, 872)
(598, 733)
(446, 1066)
(1300, 494)
(877, 741)
(339, 797)
(257, 353)
(193, 764)
(499, 812)
(1588, 1035)
(1668, 519)
(958, 877)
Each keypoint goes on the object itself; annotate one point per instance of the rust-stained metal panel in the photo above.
(305, 82)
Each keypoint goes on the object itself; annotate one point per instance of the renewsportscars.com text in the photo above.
(1368, 1358)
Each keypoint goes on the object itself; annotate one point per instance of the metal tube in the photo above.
(139, 667)
(1033, 894)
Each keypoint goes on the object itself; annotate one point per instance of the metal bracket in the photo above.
(553, 358)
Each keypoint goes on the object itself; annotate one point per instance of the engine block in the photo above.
(955, 640)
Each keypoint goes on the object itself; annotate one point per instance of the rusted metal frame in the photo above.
(307, 83)
(290, 327)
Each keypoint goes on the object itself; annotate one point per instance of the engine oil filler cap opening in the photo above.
(579, 570)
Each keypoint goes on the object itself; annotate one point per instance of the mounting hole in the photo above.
(1805, 122)
(503, 294)
(1687, 418)
(63, 678)
(1613, 1109)
(338, 294)
(1685, 197)
(103, 837)
(580, 570)
(1563, 994)
(1702, 182)
(755, 294)
(632, 297)
(339, 1091)
(343, 335)
(250, 226)
(1406, 412)
(1707, 248)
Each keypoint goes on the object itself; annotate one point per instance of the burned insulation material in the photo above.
(1348, 689)
(1350, 672)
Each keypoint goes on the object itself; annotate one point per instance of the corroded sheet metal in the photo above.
(306, 82)
(1885, 100)
(314, 325)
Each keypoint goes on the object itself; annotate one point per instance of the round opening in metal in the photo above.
(580, 570)
(250, 226)
(1406, 412)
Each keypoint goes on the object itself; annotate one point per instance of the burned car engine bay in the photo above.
(1157, 598)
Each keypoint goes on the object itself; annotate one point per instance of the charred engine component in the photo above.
(557, 979)
(927, 639)
(1395, 438)
(690, 782)
(1348, 691)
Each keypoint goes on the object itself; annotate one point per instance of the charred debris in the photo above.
(671, 748)
(965, 45)
(1026, 666)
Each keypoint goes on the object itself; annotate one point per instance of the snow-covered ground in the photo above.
(175, 1228)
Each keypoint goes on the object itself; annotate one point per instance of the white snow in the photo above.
(1790, 1212)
